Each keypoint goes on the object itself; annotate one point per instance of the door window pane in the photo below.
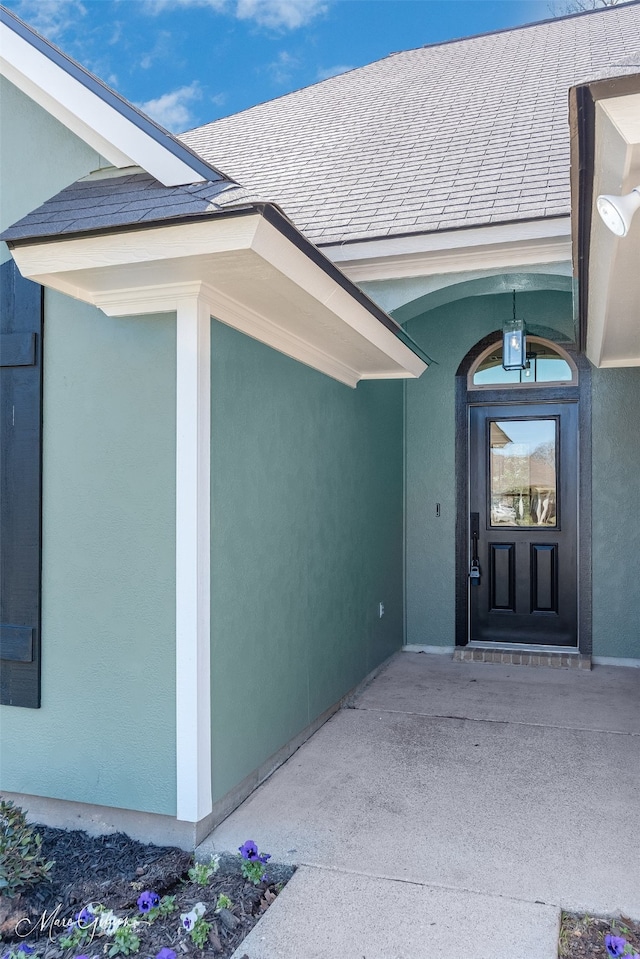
(544, 365)
(522, 468)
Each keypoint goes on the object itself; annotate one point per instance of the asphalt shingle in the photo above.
(481, 119)
(101, 203)
(460, 134)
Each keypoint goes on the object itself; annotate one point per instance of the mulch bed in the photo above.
(582, 937)
(113, 870)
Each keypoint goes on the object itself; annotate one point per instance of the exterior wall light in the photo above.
(617, 211)
(514, 351)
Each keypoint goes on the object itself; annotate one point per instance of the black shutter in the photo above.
(21, 304)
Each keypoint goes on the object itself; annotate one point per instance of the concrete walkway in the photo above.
(455, 809)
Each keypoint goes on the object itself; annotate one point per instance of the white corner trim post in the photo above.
(193, 558)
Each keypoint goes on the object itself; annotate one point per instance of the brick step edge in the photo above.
(508, 657)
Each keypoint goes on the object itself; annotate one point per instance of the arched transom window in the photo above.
(547, 364)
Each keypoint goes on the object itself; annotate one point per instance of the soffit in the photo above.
(254, 278)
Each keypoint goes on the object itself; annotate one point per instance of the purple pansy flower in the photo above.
(148, 901)
(249, 850)
(85, 916)
(188, 922)
(615, 945)
(166, 953)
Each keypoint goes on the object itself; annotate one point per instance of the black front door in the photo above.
(523, 502)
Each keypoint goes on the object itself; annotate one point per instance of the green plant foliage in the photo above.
(73, 938)
(200, 933)
(165, 907)
(125, 941)
(21, 862)
(201, 872)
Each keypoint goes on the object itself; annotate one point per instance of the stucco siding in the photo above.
(105, 733)
(616, 519)
(306, 541)
(39, 157)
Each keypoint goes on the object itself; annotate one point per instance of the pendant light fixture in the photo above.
(514, 352)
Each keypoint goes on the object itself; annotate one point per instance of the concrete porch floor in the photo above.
(456, 806)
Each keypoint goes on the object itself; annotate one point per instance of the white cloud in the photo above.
(162, 49)
(274, 14)
(280, 13)
(51, 17)
(329, 72)
(173, 110)
(157, 6)
(282, 68)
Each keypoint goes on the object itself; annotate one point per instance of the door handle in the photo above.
(474, 570)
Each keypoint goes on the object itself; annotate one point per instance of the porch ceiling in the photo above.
(254, 278)
(610, 288)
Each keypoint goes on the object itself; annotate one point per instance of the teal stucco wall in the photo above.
(39, 157)
(616, 518)
(307, 540)
(105, 733)
(448, 333)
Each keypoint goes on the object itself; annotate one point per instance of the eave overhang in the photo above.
(257, 273)
(463, 249)
(605, 158)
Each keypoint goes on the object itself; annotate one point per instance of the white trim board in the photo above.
(87, 114)
(255, 278)
(503, 245)
(193, 558)
(615, 661)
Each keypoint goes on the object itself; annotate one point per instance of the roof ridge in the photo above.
(526, 26)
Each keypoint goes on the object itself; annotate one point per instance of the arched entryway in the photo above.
(523, 499)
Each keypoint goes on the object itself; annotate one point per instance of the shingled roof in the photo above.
(110, 200)
(458, 134)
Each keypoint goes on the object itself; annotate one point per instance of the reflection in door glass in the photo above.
(523, 472)
(543, 365)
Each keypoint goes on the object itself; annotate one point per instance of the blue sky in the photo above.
(186, 62)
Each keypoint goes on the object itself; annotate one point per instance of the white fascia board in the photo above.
(273, 247)
(500, 246)
(145, 271)
(139, 246)
(86, 114)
